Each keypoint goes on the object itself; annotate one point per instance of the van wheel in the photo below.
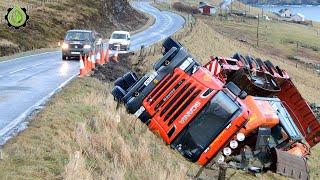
(64, 57)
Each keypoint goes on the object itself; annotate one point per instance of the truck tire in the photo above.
(252, 62)
(118, 93)
(130, 78)
(132, 106)
(121, 83)
(126, 81)
(145, 117)
(170, 64)
(167, 57)
(239, 57)
(270, 66)
(170, 43)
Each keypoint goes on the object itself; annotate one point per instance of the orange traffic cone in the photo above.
(86, 63)
(98, 58)
(93, 61)
(89, 62)
(82, 67)
(107, 55)
(102, 52)
(116, 54)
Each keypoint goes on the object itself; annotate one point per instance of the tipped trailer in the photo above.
(240, 111)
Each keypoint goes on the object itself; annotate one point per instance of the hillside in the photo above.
(49, 20)
(282, 2)
(86, 134)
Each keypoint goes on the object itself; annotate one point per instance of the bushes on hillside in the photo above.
(185, 8)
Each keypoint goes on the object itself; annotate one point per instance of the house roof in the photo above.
(284, 10)
(298, 14)
(201, 5)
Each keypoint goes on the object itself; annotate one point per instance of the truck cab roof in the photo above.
(120, 32)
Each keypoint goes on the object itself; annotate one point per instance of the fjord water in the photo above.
(310, 12)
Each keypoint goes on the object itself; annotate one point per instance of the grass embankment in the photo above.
(80, 134)
(285, 40)
(49, 20)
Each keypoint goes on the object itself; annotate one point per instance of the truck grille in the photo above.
(76, 46)
(172, 96)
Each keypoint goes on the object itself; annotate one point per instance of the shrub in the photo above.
(185, 8)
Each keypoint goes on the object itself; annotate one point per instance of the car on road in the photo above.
(120, 38)
(77, 42)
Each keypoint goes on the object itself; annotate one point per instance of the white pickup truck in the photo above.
(121, 39)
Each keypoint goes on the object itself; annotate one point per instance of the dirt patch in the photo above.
(109, 72)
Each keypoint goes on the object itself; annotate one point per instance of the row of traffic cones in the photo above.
(89, 62)
(101, 56)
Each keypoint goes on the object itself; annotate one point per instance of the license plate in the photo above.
(151, 78)
(75, 53)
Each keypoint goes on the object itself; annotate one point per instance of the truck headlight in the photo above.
(65, 46)
(227, 151)
(87, 46)
(240, 137)
(233, 144)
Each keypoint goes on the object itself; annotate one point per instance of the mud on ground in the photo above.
(316, 110)
(112, 70)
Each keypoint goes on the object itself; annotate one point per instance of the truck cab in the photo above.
(181, 100)
(221, 113)
(120, 40)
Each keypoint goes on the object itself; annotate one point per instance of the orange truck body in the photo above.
(200, 110)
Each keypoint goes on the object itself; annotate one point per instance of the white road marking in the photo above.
(27, 56)
(26, 113)
(26, 68)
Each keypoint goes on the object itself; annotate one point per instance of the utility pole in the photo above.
(258, 30)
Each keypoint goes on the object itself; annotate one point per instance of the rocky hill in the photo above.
(50, 19)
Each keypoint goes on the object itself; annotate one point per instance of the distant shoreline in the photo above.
(281, 4)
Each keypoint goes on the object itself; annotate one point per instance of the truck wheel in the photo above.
(118, 93)
(239, 57)
(130, 78)
(121, 83)
(169, 43)
(145, 117)
(126, 81)
(270, 66)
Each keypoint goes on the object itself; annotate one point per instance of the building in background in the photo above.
(286, 13)
(298, 17)
(206, 8)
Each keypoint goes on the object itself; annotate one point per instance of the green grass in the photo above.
(81, 133)
(274, 37)
(49, 21)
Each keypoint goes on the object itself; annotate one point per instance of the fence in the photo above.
(300, 44)
(156, 49)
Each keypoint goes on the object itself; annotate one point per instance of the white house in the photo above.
(298, 17)
(286, 13)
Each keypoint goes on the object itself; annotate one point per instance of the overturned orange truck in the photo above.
(241, 112)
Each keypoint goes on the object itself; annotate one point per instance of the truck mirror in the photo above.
(233, 88)
(243, 95)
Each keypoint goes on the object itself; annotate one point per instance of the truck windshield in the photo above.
(119, 36)
(215, 116)
(78, 36)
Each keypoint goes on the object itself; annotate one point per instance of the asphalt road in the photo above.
(26, 83)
